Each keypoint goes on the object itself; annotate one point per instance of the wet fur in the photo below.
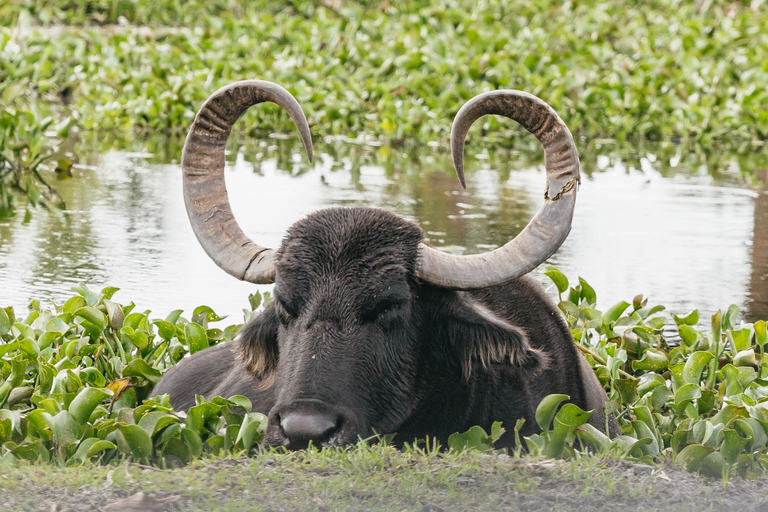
(438, 362)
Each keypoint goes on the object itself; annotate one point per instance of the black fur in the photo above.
(354, 332)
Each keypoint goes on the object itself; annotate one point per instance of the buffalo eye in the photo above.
(384, 311)
(285, 313)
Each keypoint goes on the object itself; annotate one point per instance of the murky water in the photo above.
(673, 225)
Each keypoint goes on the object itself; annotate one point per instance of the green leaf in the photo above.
(732, 445)
(742, 339)
(91, 447)
(199, 414)
(140, 368)
(592, 437)
(473, 439)
(568, 418)
(652, 359)
(730, 317)
(692, 456)
(557, 277)
(166, 330)
(94, 316)
(253, 427)
(587, 292)
(133, 440)
(155, 421)
(761, 333)
(91, 297)
(85, 402)
(193, 442)
(695, 365)
(745, 358)
(688, 334)
(5, 322)
(691, 319)
(66, 430)
(614, 312)
(547, 409)
(196, 337)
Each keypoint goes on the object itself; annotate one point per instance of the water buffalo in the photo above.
(372, 331)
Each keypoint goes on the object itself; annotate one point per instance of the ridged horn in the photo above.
(551, 225)
(205, 193)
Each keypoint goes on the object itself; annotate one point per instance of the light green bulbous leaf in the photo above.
(713, 465)
(56, 325)
(753, 430)
(133, 440)
(761, 333)
(165, 329)
(547, 409)
(729, 413)
(94, 316)
(473, 439)
(687, 393)
(91, 447)
(567, 419)
(695, 365)
(745, 358)
(86, 401)
(5, 323)
(140, 368)
(155, 421)
(688, 334)
(176, 447)
(648, 382)
(614, 312)
(692, 456)
(643, 432)
(197, 340)
(193, 442)
(587, 292)
(730, 317)
(594, 438)
(652, 359)
(199, 414)
(732, 445)
(691, 318)
(253, 427)
(66, 430)
(557, 277)
(241, 402)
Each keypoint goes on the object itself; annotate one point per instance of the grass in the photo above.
(379, 478)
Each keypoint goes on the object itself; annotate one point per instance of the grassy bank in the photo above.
(381, 479)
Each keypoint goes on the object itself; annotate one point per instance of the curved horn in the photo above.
(205, 193)
(551, 225)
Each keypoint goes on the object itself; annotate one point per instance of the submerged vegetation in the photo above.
(397, 71)
(75, 381)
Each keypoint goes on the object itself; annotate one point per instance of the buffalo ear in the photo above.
(480, 337)
(258, 343)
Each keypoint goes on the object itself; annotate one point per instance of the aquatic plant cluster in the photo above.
(397, 71)
(75, 380)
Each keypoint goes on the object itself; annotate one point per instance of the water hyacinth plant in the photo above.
(75, 381)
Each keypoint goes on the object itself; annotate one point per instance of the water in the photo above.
(677, 226)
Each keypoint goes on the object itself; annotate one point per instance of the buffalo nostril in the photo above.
(301, 428)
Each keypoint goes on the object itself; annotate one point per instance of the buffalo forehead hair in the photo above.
(356, 239)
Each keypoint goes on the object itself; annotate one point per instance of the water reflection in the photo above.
(664, 220)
